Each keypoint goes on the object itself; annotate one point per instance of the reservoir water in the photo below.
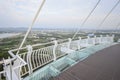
(6, 35)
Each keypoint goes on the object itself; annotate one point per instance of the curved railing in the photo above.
(33, 57)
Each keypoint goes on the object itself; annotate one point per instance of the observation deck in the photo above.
(93, 58)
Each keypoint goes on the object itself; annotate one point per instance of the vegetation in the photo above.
(7, 44)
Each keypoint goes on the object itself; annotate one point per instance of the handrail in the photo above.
(44, 55)
(40, 44)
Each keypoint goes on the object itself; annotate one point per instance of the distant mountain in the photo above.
(12, 29)
(25, 29)
(22, 29)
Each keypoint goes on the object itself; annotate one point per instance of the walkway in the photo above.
(104, 65)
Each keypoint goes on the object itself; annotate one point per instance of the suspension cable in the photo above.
(108, 14)
(30, 27)
(86, 18)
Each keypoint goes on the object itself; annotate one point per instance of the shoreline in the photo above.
(8, 35)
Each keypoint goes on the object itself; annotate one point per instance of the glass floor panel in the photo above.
(53, 69)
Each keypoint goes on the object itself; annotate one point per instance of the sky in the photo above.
(58, 14)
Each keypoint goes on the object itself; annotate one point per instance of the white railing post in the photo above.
(8, 69)
(107, 38)
(69, 42)
(79, 46)
(5, 69)
(94, 41)
(112, 40)
(54, 50)
(101, 39)
(30, 49)
(11, 70)
(87, 41)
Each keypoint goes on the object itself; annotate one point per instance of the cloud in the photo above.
(65, 13)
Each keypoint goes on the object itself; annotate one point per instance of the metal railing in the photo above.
(33, 57)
